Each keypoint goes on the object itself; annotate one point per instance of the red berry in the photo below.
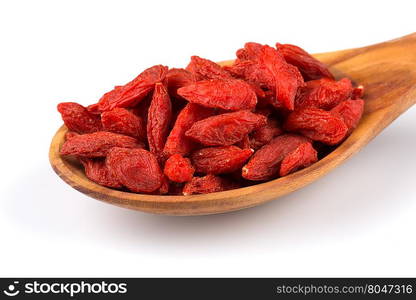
(179, 169)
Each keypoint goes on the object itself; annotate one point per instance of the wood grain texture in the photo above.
(388, 73)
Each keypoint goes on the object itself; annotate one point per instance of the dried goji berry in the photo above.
(251, 51)
(177, 142)
(230, 94)
(287, 78)
(133, 92)
(97, 144)
(208, 184)
(203, 69)
(317, 124)
(270, 70)
(253, 73)
(260, 93)
(309, 67)
(123, 121)
(303, 156)
(265, 162)
(177, 78)
(220, 160)
(77, 118)
(350, 111)
(245, 64)
(158, 120)
(97, 171)
(225, 129)
(324, 93)
(179, 168)
(265, 134)
(136, 169)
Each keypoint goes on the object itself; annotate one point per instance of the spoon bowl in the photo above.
(386, 70)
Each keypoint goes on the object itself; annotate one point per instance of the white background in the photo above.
(357, 221)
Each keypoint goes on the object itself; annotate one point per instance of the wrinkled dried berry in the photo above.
(179, 169)
(324, 93)
(251, 51)
(177, 142)
(203, 69)
(303, 156)
(225, 129)
(268, 69)
(158, 120)
(318, 125)
(123, 121)
(265, 162)
(230, 94)
(286, 78)
(77, 118)
(97, 144)
(136, 169)
(208, 184)
(350, 111)
(133, 92)
(310, 67)
(220, 160)
(97, 171)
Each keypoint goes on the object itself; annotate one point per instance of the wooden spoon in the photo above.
(388, 73)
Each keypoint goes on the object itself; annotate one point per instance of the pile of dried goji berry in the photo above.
(209, 128)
